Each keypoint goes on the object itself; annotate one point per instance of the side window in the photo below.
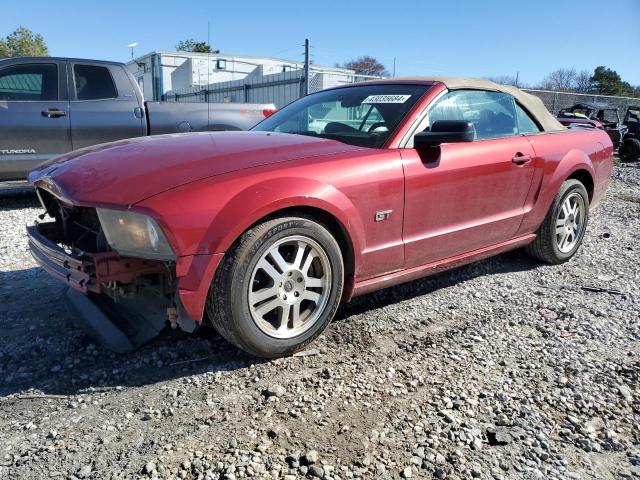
(609, 116)
(525, 122)
(35, 82)
(93, 82)
(632, 116)
(492, 113)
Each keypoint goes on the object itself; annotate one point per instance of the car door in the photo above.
(103, 106)
(461, 197)
(34, 121)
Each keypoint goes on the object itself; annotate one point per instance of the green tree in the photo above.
(192, 45)
(607, 82)
(22, 42)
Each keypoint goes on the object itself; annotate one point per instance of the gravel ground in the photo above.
(502, 369)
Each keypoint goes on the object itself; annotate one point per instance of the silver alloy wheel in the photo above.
(289, 287)
(570, 222)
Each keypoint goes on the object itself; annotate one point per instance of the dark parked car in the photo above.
(50, 106)
(595, 115)
(630, 149)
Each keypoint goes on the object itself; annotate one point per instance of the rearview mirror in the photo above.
(445, 131)
(351, 100)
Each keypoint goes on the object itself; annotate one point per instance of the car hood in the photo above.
(128, 171)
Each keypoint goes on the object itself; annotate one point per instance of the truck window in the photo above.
(93, 82)
(33, 82)
(492, 113)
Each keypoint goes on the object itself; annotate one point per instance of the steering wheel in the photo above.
(376, 125)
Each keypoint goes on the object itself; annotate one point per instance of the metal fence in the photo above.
(279, 89)
(555, 101)
(283, 88)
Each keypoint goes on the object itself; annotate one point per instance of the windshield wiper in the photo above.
(309, 133)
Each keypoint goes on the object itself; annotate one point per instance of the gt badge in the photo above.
(383, 215)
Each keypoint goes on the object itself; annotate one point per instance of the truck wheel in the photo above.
(278, 288)
(562, 230)
(630, 150)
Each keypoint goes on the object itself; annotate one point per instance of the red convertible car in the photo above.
(345, 191)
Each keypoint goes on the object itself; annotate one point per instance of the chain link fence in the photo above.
(556, 101)
(283, 88)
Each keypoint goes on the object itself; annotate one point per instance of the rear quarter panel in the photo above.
(560, 155)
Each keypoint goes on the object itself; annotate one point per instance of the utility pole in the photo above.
(394, 67)
(206, 90)
(306, 66)
(132, 46)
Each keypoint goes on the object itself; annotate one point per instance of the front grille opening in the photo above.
(76, 229)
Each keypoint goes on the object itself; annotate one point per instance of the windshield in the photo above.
(364, 115)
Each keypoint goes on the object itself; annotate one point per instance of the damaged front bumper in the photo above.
(85, 273)
(121, 302)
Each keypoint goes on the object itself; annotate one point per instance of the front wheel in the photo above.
(562, 230)
(278, 288)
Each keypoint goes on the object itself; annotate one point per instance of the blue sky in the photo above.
(452, 37)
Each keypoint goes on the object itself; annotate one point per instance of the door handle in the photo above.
(521, 159)
(54, 113)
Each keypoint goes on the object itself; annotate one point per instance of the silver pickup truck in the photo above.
(50, 106)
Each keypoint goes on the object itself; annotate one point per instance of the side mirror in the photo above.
(445, 131)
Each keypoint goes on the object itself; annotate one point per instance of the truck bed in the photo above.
(172, 117)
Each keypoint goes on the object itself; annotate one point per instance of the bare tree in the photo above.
(366, 65)
(506, 80)
(582, 82)
(562, 80)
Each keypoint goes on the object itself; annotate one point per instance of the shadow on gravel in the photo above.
(14, 199)
(506, 263)
(42, 349)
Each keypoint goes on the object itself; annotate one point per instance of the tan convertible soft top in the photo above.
(530, 102)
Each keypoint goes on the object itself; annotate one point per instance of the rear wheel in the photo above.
(562, 231)
(630, 150)
(278, 288)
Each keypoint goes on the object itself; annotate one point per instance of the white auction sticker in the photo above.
(386, 99)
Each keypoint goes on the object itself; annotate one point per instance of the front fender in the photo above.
(265, 197)
(204, 219)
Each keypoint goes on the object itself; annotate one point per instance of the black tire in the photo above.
(630, 150)
(545, 247)
(228, 305)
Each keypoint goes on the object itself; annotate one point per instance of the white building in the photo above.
(160, 72)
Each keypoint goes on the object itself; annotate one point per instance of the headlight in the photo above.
(134, 235)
